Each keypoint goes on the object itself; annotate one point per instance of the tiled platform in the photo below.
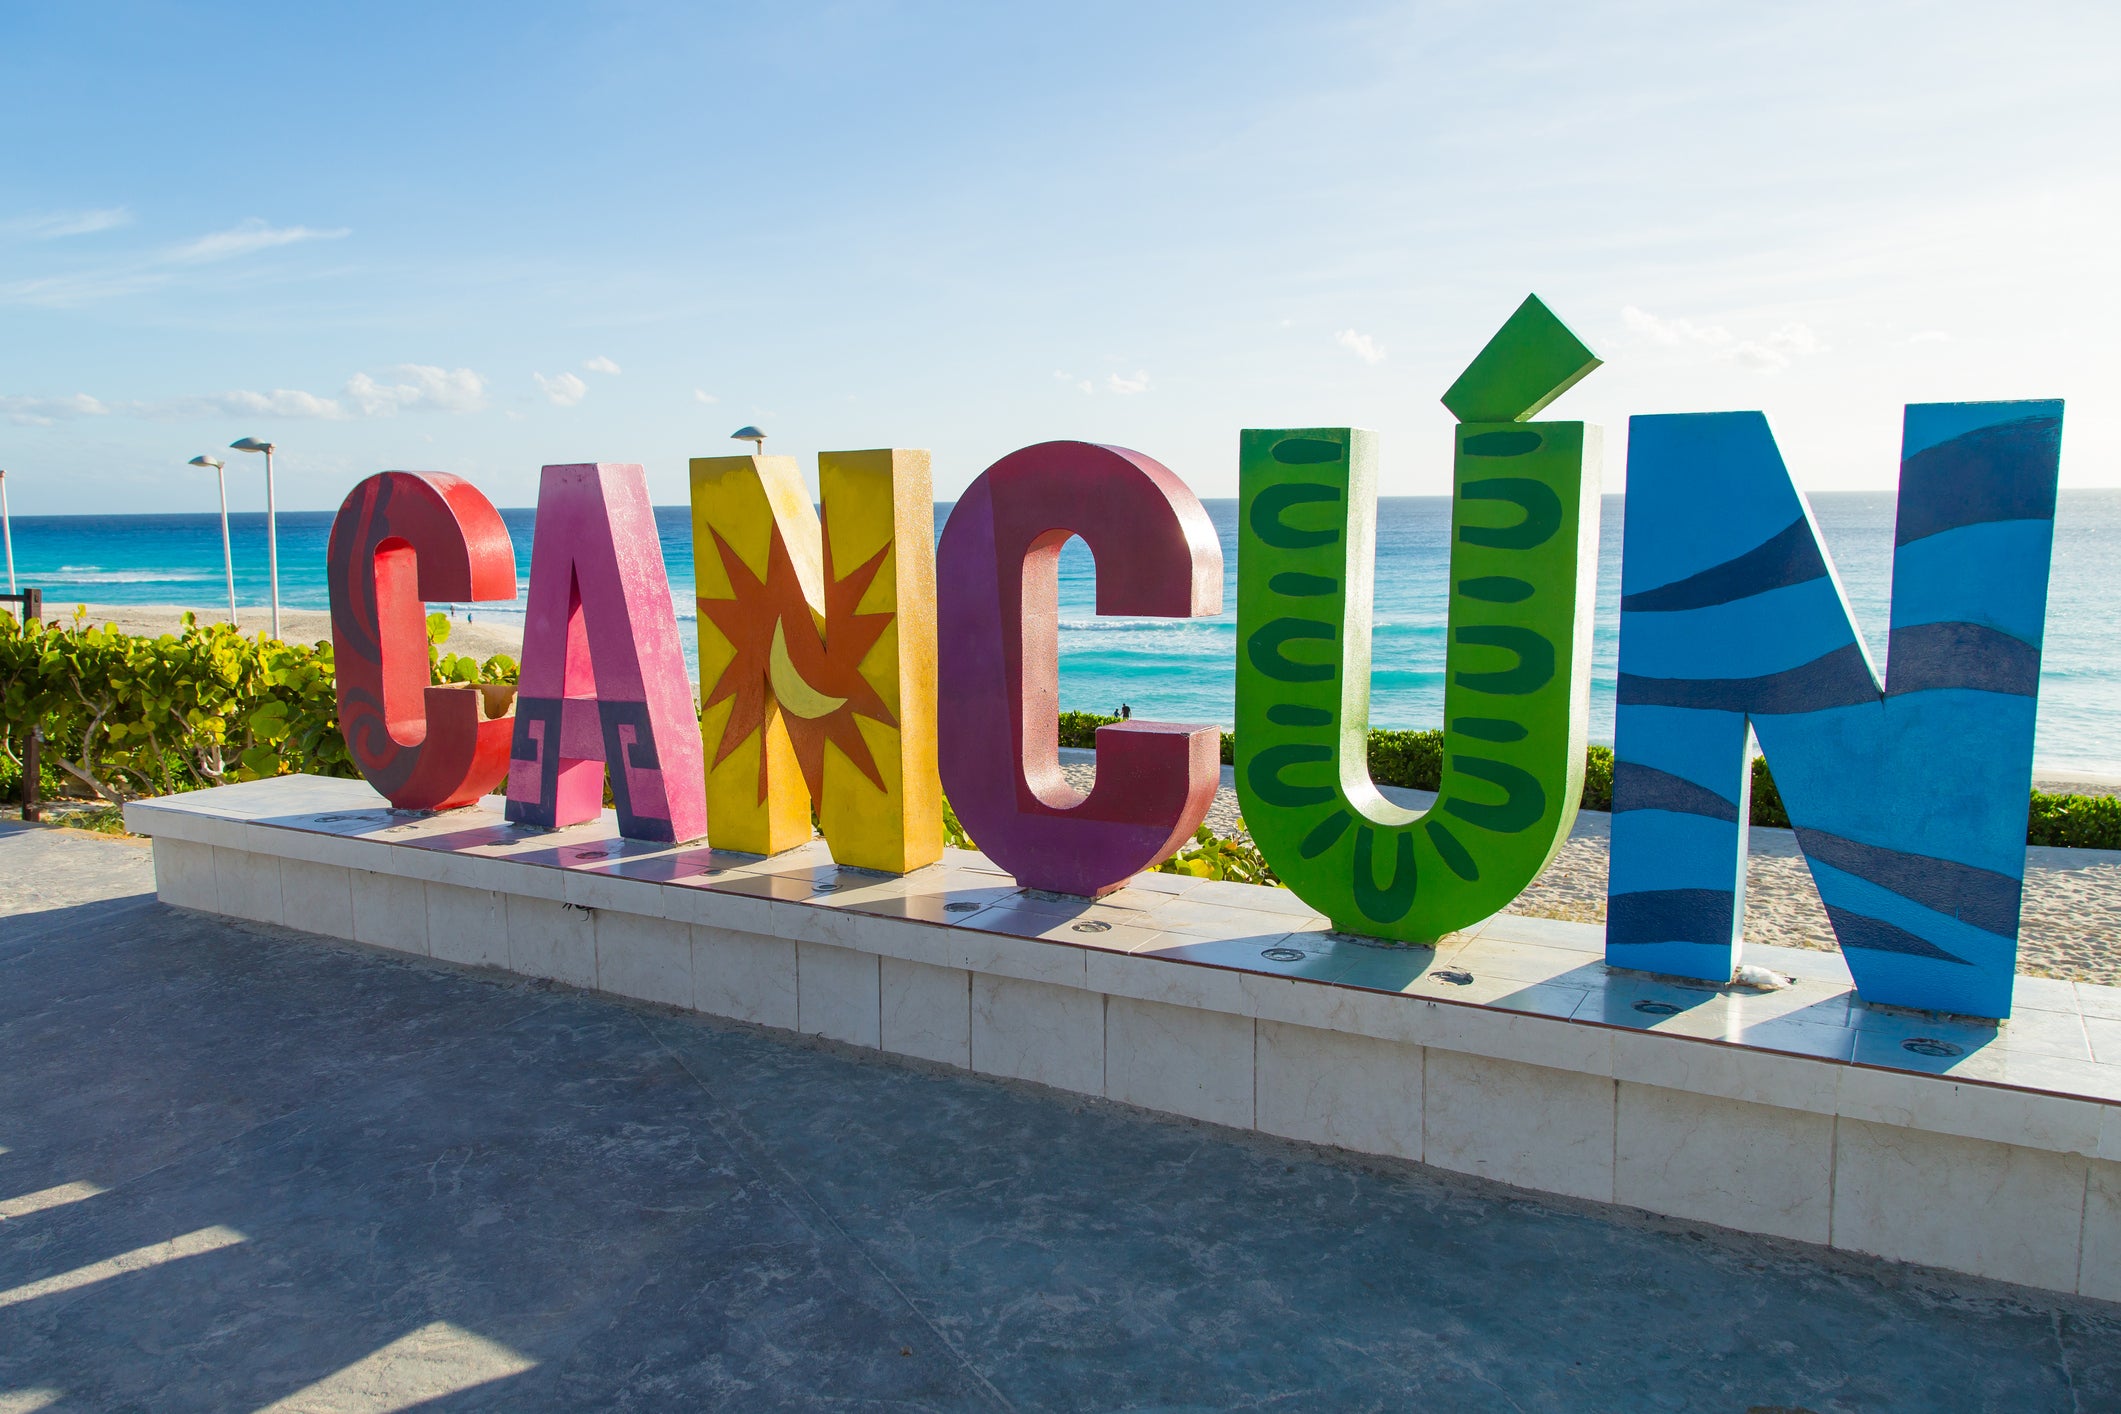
(1508, 1051)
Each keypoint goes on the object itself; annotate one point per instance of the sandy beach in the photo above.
(479, 639)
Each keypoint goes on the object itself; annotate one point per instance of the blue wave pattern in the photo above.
(1908, 800)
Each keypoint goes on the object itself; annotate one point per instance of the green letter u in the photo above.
(1524, 558)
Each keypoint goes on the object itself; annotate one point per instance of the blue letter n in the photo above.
(1909, 802)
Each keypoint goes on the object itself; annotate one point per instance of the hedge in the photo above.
(125, 715)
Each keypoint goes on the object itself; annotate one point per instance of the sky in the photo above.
(482, 238)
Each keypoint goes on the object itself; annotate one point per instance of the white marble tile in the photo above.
(226, 831)
(184, 874)
(2042, 994)
(1151, 978)
(744, 976)
(1328, 1087)
(1089, 925)
(466, 925)
(1491, 995)
(1964, 1110)
(1703, 1010)
(972, 859)
(2110, 1134)
(837, 994)
(2104, 1032)
(389, 911)
(1726, 1072)
(2099, 1266)
(1251, 896)
(1527, 1125)
(247, 885)
(1790, 1036)
(315, 846)
(710, 908)
(1526, 961)
(2041, 1032)
(1191, 916)
(1127, 899)
(1169, 884)
(548, 939)
(2095, 1000)
(1384, 1016)
(1528, 1040)
(1756, 1168)
(488, 871)
(317, 898)
(1996, 1210)
(927, 1011)
(1179, 1060)
(1582, 938)
(1811, 963)
(611, 892)
(1039, 1032)
(1022, 959)
(646, 958)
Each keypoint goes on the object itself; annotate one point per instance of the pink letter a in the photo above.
(603, 677)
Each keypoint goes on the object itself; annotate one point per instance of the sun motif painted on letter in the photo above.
(790, 666)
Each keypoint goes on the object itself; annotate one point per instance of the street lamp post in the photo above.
(228, 559)
(7, 533)
(272, 535)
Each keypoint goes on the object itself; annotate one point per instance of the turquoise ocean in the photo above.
(1183, 670)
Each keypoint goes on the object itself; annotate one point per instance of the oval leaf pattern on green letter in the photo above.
(1516, 700)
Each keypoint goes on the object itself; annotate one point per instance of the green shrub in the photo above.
(1413, 760)
(2074, 821)
(1598, 778)
(1213, 856)
(1767, 800)
(124, 715)
(1079, 729)
(954, 829)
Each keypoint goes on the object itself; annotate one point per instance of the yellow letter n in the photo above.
(817, 655)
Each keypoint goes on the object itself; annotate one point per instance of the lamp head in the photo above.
(250, 444)
(204, 461)
(750, 434)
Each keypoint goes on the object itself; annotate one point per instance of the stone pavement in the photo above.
(241, 1168)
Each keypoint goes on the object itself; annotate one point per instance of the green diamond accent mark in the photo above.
(1532, 360)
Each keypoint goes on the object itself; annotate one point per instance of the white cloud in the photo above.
(601, 364)
(52, 225)
(418, 386)
(280, 402)
(562, 390)
(245, 238)
(1081, 385)
(43, 412)
(136, 273)
(1363, 346)
(703, 397)
(1671, 332)
(1126, 387)
(65, 291)
(1769, 354)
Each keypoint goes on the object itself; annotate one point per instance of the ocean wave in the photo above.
(92, 574)
(1155, 631)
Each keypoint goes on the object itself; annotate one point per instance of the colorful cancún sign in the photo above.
(854, 669)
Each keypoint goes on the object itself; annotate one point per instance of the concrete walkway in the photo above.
(241, 1168)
